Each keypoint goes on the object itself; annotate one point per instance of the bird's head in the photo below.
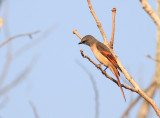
(88, 40)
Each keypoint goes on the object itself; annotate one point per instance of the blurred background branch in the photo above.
(17, 36)
(18, 79)
(94, 88)
(34, 109)
(150, 90)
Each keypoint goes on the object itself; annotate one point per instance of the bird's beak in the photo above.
(80, 43)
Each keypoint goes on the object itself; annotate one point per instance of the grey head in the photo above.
(88, 40)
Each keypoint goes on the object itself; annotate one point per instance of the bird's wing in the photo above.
(106, 52)
(109, 57)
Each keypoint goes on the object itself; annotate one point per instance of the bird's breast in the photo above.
(102, 59)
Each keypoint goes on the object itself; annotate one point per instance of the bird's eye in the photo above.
(83, 41)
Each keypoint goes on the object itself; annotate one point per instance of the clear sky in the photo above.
(57, 85)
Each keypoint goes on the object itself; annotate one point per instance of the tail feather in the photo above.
(116, 73)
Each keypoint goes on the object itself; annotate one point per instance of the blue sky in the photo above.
(57, 85)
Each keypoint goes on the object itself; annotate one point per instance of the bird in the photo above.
(104, 56)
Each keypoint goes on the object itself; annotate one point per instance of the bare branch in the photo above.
(5, 68)
(17, 36)
(19, 78)
(9, 46)
(146, 6)
(158, 49)
(98, 23)
(145, 105)
(94, 88)
(136, 86)
(34, 109)
(104, 73)
(36, 41)
(130, 79)
(124, 71)
(76, 33)
(113, 27)
(149, 56)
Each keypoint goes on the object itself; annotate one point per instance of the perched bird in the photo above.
(104, 56)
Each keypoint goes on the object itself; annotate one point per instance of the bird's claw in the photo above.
(105, 68)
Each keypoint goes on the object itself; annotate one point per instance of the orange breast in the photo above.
(102, 59)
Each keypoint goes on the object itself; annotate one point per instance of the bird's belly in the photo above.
(102, 59)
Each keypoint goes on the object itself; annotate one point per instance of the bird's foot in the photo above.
(105, 68)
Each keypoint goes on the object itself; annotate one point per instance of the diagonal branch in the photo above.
(152, 85)
(124, 71)
(19, 78)
(42, 37)
(34, 109)
(94, 88)
(143, 110)
(5, 68)
(136, 86)
(17, 36)
(131, 80)
(105, 74)
(146, 6)
(98, 23)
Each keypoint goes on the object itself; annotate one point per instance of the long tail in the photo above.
(116, 73)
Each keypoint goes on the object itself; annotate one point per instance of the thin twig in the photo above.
(113, 27)
(146, 6)
(98, 23)
(42, 37)
(94, 88)
(19, 78)
(34, 109)
(6, 29)
(149, 56)
(105, 74)
(6, 67)
(17, 36)
(76, 33)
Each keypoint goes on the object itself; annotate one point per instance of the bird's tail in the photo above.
(116, 73)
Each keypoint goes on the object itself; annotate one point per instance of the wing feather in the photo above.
(109, 57)
(106, 52)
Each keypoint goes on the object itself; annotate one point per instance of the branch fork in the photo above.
(136, 88)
